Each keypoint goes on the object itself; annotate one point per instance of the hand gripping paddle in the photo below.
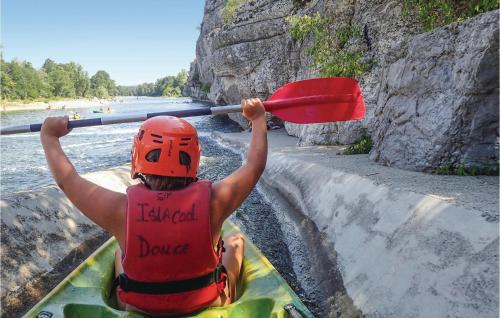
(318, 100)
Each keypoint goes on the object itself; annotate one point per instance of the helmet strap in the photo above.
(140, 176)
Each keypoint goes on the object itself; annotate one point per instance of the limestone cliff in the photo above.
(432, 97)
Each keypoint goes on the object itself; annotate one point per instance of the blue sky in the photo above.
(134, 41)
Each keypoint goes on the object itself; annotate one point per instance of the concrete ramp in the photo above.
(408, 244)
(44, 237)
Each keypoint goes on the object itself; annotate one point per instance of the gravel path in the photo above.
(256, 216)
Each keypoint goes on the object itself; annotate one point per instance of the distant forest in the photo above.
(21, 81)
(167, 86)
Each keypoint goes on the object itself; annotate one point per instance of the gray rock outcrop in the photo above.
(253, 55)
(438, 105)
(194, 88)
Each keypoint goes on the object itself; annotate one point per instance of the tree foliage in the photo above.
(21, 81)
(170, 86)
(102, 85)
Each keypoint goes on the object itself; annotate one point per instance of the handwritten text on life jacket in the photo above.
(148, 248)
(161, 214)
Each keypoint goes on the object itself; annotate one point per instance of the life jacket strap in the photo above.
(220, 248)
(172, 287)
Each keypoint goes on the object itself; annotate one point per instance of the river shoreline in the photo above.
(66, 104)
(63, 104)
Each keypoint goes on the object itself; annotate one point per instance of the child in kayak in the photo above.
(168, 226)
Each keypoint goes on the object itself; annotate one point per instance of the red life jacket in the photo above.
(170, 266)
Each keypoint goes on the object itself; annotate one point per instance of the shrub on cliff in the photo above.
(229, 11)
(362, 146)
(438, 13)
(335, 50)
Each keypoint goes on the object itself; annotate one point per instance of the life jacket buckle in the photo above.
(220, 273)
(123, 282)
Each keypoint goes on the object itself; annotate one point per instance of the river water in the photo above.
(90, 149)
(23, 168)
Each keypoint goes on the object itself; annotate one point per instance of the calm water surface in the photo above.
(23, 165)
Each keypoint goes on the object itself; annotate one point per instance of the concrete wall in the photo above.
(408, 244)
(40, 230)
(402, 254)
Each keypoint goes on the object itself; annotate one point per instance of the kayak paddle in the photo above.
(318, 100)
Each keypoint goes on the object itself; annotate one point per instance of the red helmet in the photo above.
(166, 146)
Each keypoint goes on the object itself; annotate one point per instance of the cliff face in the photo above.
(432, 98)
(438, 104)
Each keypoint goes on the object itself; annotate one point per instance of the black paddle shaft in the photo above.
(108, 120)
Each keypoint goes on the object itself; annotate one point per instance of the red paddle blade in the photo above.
(318, 100)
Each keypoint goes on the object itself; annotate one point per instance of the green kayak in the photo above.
(86, 291)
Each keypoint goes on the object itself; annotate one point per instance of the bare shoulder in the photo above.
(217, 204)
(217, 212)
(119, 223)
(107, 208)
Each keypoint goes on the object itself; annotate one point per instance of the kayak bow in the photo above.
(262, 292)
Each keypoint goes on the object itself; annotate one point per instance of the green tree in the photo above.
(20, 80)
(80, 79)
(49, 66)
(45, 88)
(60, 82)
(171, 91)
(182, 77)
(126, 90)
(34, 85)
(101, 92)
(146, 89)
(8, 86)
(16, 73)
(102, 79)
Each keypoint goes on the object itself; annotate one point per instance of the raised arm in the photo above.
(229, 193)
(101, 205)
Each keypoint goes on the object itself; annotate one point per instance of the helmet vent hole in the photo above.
(186, 138)
(157, 141)
(141, 134)
(153, 155)
(157, 136)
(184, 144)
(185, 160)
